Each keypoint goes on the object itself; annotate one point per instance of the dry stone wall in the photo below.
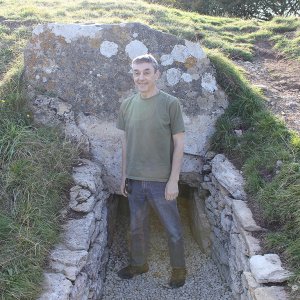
(227, 234)
(77, 264)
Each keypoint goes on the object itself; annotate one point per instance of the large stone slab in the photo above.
(267, 268)
(78, 75)
(228, 176)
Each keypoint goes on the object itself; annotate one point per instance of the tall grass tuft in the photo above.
(35, 166)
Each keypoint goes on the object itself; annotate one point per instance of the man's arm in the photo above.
(171, 191)
(123, 190)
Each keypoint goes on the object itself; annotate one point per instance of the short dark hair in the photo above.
(146, 58)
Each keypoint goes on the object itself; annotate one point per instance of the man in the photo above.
(152, 151)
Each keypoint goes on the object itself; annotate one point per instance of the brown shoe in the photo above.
(177, 277)
(131, 271)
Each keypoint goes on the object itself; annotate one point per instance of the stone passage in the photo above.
(203, 279)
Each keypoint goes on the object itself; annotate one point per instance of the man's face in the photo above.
(145, 77)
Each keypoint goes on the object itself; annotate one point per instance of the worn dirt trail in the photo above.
(279, 78)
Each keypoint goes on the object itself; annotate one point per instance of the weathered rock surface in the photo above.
(267, 268)
(88, 175)
(78, 233)
(200, 225)
(81, 200)
(244, 215)
(80, 290)
(68, 262)
(56, 287)
(228, 176)
(77, 76)
(270, 293)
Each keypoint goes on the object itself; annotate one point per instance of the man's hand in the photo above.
(171, 191)
(123, 187)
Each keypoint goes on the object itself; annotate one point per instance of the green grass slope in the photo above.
(35, 162)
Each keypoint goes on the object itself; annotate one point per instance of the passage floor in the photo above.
(203, 279)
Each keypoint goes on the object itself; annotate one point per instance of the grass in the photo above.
(35, 168)
(35, 162)
(213, 31)
(265, 142)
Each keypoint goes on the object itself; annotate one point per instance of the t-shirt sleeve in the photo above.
(121, 121)
(176, 119)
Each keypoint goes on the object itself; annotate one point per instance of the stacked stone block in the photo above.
(77, 264)
(236, 251)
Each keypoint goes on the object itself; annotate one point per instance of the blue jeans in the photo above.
(143, 193)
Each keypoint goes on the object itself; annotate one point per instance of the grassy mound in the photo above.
(35, 168)
(35, 162)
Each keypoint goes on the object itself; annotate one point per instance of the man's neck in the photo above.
(149, 95)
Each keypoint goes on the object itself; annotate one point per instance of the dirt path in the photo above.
(279, 79)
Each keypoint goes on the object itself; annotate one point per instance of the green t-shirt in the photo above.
(149, 125)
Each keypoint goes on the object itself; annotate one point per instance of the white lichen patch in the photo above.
(135, 48)
(187, 77)
(195, 50)
(173, 76)
(180, 53)
(108, 49)
(166, 60)
(50, 67)
(209, 83)
(38, 29)
(135, 35)
(195, 76)
(70, 32)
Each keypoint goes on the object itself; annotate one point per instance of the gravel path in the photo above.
(203, 279)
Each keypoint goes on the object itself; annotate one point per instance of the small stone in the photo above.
(68, 262)
(279, 164)
(206, 169)
(238, 132)
(206, 178)
(244, 216)
(267, 268)
(228, 176)
(88, 175)
(295, 287)
(270, 293)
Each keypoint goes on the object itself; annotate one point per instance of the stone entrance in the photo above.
(76, 77)
(203, 280)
